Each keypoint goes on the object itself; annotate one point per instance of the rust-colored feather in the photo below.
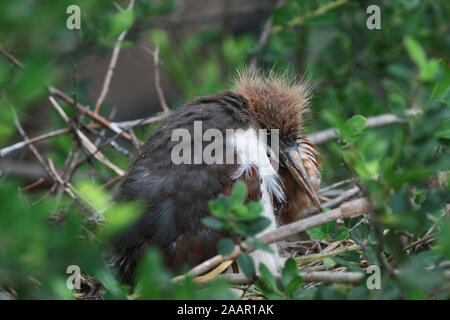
(277, 101)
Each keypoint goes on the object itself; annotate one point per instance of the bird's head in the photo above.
(281, 102)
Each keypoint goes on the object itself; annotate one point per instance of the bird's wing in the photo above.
(176, 196)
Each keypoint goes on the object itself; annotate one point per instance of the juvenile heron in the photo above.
(176, 195)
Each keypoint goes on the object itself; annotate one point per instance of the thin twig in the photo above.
(112, 66)
(300, 19)
(346, 210)
(372, 122)
(317, 138)
(11, 57)
(341, 198)
(334, 185)
(90, 147)
(263, 38)
(161, 97)
(19, 145)
(110, 125)
(319, 256)
(314, 276)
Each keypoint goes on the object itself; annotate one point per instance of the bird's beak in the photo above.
(292, 157)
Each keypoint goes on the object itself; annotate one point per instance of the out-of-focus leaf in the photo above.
(257, 244)
(441, 90)
(342, 234)
(427, 68)
(317, 233)
(238, 193)
(353, 127)
(258, 225)
(267, 277)
(443, 131)
(213, 223)
(247, 265)
(226, 246)
(121, 21)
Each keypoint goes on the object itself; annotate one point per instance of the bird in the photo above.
(175, 196)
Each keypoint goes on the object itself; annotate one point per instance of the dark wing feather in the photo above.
(176, 196)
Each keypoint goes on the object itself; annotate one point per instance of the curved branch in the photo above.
(372, 122)
(346, 210)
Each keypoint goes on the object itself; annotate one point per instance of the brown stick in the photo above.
(11, 57)
(19, 145)
(341, 198)
(264, 36)
(319, 11)
(112, 66)
(372, 122)
(349, 209)
(111, 126)
(161, 97)
(322, 276)
(88, 145)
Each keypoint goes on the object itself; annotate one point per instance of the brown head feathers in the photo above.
(276, 101)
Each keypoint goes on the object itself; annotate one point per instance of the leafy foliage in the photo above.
(359, 73)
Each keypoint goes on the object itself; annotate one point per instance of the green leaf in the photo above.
(317, 233)
(240, 211)
(248, 212)
(342, 234)
(353, 127)
(240, 228)
(443, 131)
(415, 50)
(121, 22)
(247, 265)
(254, 209)
(294, 284)
(93, 194)
(289, 271)
(255, 243)
(239, 193)
(441, 90)
(120, 216)
(290, 277)
(226, 246)
(427, 68)
(213, 223)
(267, 277)
(217, 208)
(256, 226)
(329, 262)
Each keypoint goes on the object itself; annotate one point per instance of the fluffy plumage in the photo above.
(277, 101)
(176, 196)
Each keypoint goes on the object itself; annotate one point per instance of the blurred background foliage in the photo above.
(357, 73)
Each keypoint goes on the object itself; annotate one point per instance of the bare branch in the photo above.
(90, 147)
(322, 276)
(110, 125)
(346, 210)
(341, 198)
(372, 122)
(11, 57)
(319, 11)
(162, 99)
(112, 66)
(264, 36)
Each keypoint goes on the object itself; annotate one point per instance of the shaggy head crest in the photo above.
(276, 101)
